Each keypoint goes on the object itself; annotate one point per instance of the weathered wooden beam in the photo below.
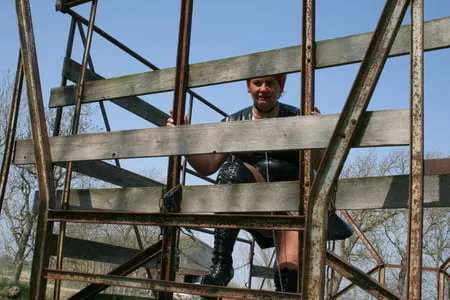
(437, 166)
(381, 128)
(112, 174)
(390, 192)
(135, 105)
(329, 53)
(107, 253)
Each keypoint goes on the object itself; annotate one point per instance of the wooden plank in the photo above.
(112, 174)
(330, 53)
(135, 105)
(437, 166)
(379, 128)
(390, 192)
(190, 251)
(261, 271)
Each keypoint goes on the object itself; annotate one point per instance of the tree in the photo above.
(387, 229)
(18, 218)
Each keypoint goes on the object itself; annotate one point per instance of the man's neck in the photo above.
(260, 114)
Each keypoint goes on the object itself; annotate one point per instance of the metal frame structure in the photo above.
(314, 195)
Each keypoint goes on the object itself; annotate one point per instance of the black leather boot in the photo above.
(221, 271)
(285, 280)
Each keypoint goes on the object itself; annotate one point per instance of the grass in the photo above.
(24, 288)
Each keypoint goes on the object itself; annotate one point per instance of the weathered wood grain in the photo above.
(390, 192)
(306, 132)
(195, 256)
(135, 105)
(112, 174)
(330, 53)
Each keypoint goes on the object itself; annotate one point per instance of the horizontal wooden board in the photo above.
(389, 192)
(195, 256)
(329, 53)
(381, 128)
(112, 174)
(135, 105)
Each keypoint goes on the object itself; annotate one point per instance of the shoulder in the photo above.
(243, 114)
(287, 110)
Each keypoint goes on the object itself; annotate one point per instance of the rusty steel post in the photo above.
(74, 131)
(101, 103)
(350, 286)
(41, 149)
(108, 129)
(307, 106)
(251, 257)
(415, 233)
(441, 274)
(440, 285)
(69, 48)
(171, 234)
(11, 133)
(382, 274)
(339, 146)
(368, 244)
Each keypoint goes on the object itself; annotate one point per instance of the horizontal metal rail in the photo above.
(173, 287)
(278, 222)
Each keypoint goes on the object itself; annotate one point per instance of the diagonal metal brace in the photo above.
(339, 146)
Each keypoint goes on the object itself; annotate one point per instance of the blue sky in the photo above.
(229, 28)
(225, 29)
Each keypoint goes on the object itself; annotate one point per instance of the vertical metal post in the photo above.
(307, 106)
(69, 48)
(171, 234)
(441, 276)
(339, 146)
(74, 131)
(416, 155)
(11, 133)
(41, 149)
(440, 285)
(251, 257)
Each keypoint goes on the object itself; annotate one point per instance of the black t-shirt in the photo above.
(290, 157)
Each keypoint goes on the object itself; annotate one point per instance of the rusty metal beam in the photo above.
(339, 146)
(170, 287)
(11, 131)
(307, 106)
(346, 289)
(74, 131)
(362, 237)
(41, 149)
(359, 277)
(276, 222)
(171, 234)
(416, 180)
(445, 265)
